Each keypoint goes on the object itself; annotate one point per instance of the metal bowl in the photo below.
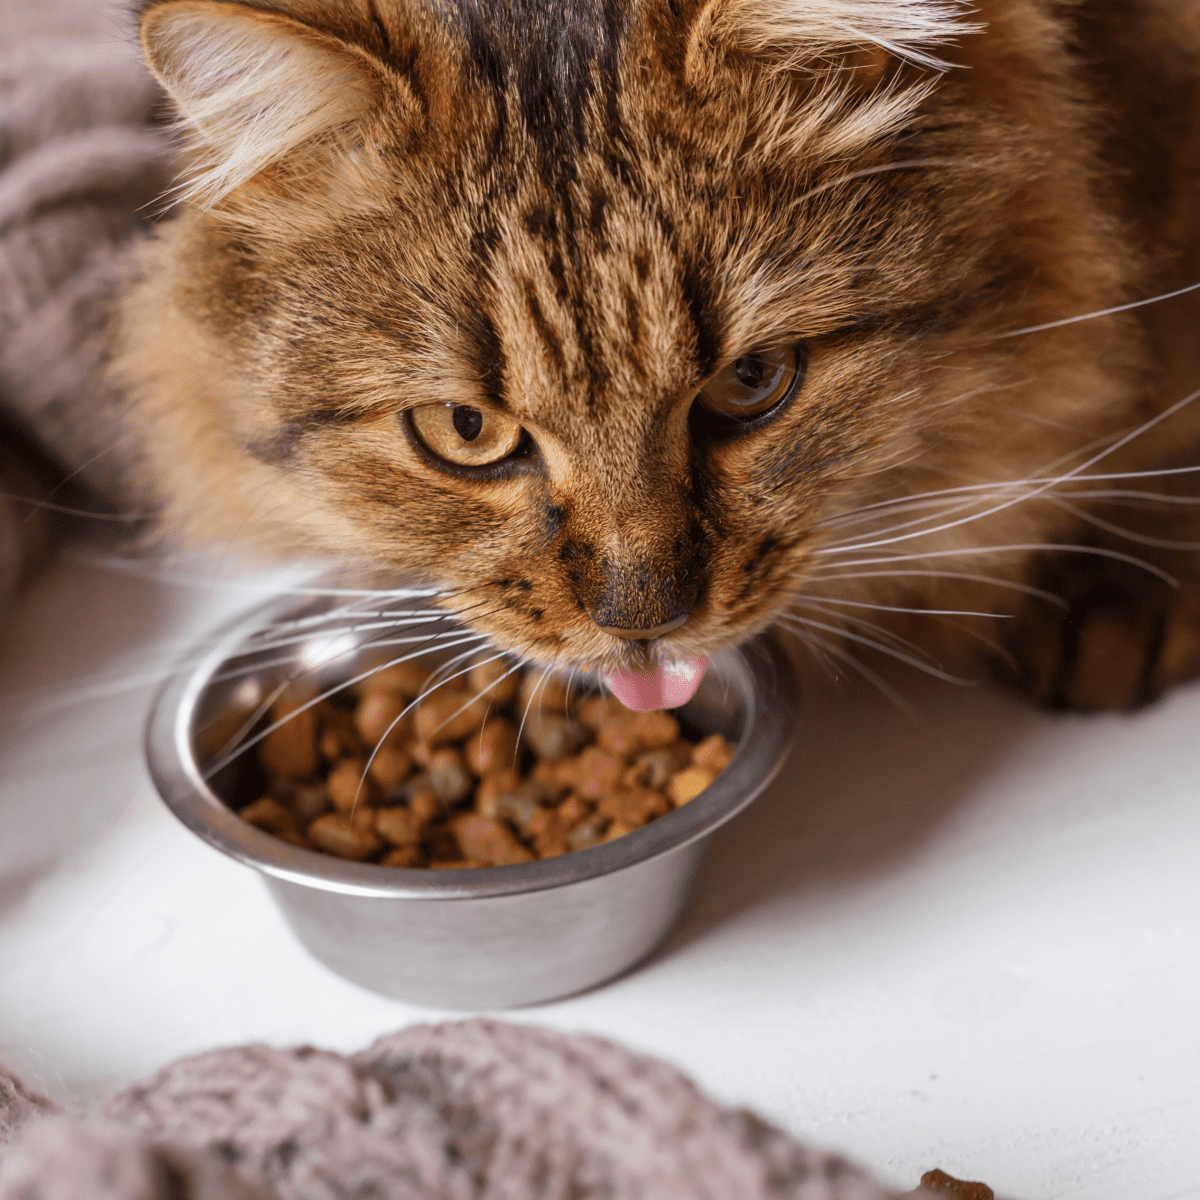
(480, 938)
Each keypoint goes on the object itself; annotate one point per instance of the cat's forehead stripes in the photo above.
(553, 58)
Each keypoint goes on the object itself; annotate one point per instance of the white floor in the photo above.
(968, 942)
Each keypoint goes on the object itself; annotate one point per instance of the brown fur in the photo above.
(394, 229)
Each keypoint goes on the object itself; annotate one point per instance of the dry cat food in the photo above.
(458, 779)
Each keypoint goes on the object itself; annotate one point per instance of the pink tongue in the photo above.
(665, 686)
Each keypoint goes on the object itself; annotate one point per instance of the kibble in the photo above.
(349, 785)
(336, 833)
(406, 773)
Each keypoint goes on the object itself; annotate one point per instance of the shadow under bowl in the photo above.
(480, 938)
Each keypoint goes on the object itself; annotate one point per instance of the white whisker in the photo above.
(936, 672)
(1103, 312)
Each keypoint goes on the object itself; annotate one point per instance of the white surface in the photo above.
(969, 942)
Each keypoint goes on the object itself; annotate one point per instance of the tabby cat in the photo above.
(643, 324)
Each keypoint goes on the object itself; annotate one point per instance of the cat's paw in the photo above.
(1119, 640)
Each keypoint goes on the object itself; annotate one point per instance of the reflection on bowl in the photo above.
(483, 938)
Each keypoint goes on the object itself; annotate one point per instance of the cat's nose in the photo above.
(644, 635)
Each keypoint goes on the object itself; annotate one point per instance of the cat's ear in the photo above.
(793, 33)
(253, 88)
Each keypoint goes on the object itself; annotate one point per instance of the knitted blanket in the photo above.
(471, 1110)
(83, 162)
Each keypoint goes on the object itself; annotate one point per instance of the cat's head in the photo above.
(596, 311)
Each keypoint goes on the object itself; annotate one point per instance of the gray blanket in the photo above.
(473, 1110)
(84, 159)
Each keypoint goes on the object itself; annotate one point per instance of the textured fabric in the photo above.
(83, 164)
(471, 1110)
(18, 1104)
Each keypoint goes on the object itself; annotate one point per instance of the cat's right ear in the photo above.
(261, 94)
(789, 34)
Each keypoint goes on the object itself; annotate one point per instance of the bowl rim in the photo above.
(760, 669)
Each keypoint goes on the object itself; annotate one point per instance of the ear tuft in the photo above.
(250, 86)
(793, 31)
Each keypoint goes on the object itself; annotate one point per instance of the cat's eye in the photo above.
(756, 382)
(465, 436)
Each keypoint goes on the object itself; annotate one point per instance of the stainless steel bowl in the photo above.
(480, 938)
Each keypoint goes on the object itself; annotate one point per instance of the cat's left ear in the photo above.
(257, 90)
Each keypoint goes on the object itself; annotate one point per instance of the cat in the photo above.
(643, 325)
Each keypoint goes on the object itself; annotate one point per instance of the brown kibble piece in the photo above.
(553, 737)
(291, 749)
(269, 815)
(378, 715)
(619, 736)
(294, 838)
(339, 738)
(574, 809)
(654, 768)
(401, 826)
(595, 710)
(493, 747)
(713, 754)
(448, 775)
(363, 815)
(520, 804)
(588, 833)
(633, 809)
(425, 804)
(406, 679)
(389, 766)
(404, 856)
(550, 826)
(939, 1181)
(545, 772)
(486, 840)
(630, 733)
(306, 801)
(494, 679)
(656, 729)
(543, 693)
(599, 771)
(336, 833)
(687, 784)
(448, 714)
(492, 786)
(346, 786)
(618, 829)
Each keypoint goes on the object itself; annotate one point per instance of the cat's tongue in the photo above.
(665, 686)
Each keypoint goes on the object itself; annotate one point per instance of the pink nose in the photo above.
(644, 635)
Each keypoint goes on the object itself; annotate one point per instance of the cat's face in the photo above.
(594, 315)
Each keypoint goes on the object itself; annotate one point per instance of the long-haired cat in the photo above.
(642, 324)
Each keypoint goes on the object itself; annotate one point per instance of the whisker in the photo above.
(872, 677)
(1096, 551)
(1103, 312)
(341, 686)
(1140, 539)
(936, 672)
(1038, 491)
(1026, 589)
(909, 164)
(424, 692)
(924, 612)
(87, 514)
(861, 623)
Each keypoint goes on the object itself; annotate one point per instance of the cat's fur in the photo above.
(576, 212)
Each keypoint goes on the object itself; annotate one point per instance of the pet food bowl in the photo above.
(482, 938)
